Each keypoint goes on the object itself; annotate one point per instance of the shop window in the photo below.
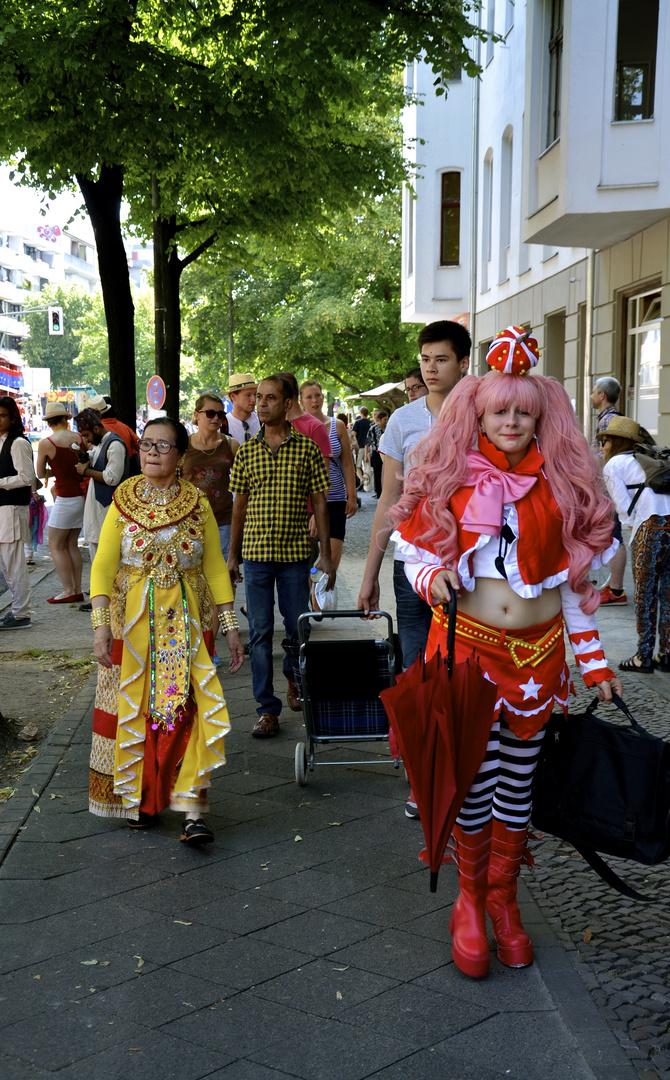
(643, 358)
(637, 40)
(450, 219)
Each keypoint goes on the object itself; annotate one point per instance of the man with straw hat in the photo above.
(243, 423)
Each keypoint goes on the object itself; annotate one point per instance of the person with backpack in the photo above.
(637, 475)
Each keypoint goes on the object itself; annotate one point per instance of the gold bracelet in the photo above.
(228, 621)
(101, 616)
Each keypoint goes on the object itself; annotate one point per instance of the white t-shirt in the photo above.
(404, 429)
(623, 469)
(236, 427)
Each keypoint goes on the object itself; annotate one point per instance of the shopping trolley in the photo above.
(339, 683)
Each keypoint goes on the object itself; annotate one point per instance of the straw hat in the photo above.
(54, 409)
(623, 428)
(98, 403)
(241, 381)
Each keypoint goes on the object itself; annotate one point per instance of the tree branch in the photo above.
(197, 252)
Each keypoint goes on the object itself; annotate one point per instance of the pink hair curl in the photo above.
(572, 470)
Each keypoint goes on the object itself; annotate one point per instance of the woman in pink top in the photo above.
(56, 454)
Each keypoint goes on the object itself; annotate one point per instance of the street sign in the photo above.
(156, 392)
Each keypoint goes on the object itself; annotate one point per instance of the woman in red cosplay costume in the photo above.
(506, 505)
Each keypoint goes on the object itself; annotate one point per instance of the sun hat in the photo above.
(622, 428)
(98, 403)
(513, 351)
(54, 409)
(241, 381)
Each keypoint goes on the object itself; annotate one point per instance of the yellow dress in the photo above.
(160, 715)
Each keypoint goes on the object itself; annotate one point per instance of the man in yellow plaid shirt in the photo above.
(273, 476)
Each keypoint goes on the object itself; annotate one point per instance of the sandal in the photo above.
(195, 833)
(645, 667)
(145, 821)
(662, 661)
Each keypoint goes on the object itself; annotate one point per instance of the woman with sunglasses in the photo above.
(209, 459)
(158, 584)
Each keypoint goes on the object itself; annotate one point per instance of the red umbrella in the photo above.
(441, 714)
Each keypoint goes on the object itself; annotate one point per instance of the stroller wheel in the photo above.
(301, 764)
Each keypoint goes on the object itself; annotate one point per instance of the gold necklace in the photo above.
(207, 453)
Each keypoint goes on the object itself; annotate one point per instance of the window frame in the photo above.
(447, 203)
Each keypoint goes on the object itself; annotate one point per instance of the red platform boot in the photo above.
(508, 847)
(467, 926)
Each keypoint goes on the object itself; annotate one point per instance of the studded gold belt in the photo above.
(480, 634)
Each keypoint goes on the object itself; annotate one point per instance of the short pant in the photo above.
(338, 518)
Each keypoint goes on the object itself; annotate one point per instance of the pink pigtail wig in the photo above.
(574, 475)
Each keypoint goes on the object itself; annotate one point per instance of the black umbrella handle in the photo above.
(451, 631)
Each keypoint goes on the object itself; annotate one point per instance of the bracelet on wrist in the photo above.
(101, 617)
(228, 621)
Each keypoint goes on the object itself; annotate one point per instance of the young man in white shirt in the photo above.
(243, 423)
(444, 348)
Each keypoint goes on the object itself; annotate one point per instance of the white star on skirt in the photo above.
(530, 689)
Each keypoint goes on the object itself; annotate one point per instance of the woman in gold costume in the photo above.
(157, 582)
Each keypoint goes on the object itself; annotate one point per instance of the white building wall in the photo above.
(590, 181)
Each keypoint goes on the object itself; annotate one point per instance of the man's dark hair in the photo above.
(380, 413)
(89, 420)
(365, 412)
(445, 330)
(110, 412)
(179, 432)
(415, 373)
(284, 382)
(16, 423)
(290, 378)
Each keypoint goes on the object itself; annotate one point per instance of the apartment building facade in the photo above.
(542, 195)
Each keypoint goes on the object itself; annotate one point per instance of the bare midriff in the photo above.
(495, 603)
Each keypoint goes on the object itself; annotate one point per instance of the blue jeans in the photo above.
(292, 581)
(413, 616)
(224, 538)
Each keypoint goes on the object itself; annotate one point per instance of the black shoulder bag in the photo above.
(604, 787)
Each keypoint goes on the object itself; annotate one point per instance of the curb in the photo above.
(35, 579)
(38, 775)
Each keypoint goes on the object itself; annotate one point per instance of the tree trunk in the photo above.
(167, 272)
(103, 202)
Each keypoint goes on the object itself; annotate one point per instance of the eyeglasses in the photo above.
(416, 389)
(162, 447)
(211, 413)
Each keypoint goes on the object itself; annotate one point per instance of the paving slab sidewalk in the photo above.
(304, 943)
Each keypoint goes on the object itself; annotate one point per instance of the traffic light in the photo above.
(55, 320)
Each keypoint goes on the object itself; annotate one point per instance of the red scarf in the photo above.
(540, 550)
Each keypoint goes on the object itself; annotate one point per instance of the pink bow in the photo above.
(493, 488)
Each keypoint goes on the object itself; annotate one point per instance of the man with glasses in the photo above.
(243, 423)
(444, 348)
(415, 387)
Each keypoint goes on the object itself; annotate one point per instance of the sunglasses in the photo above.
(211, 413)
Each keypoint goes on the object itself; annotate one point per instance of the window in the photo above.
(509, 15)
(410, 231)
(78, 250)
(450, 219)
(487, 214)
(31, 252)
(490, 28)
(505, 205)
(637, 39)
(643, 358)
(555, 46)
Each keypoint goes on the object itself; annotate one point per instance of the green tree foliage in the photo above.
(335, 313)
(248, 114)
(43, 350)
